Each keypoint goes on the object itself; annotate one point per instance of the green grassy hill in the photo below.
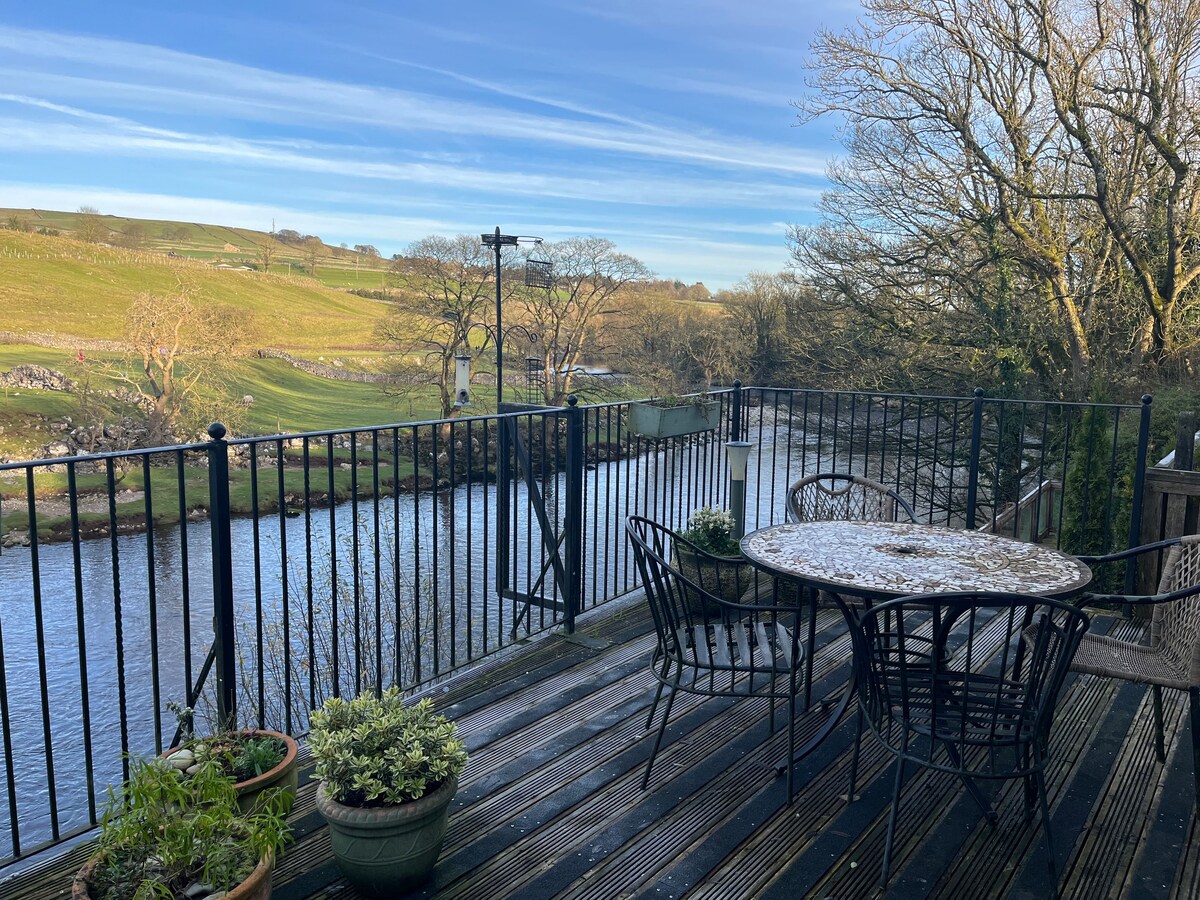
(213, 244)
(63, 286)
(81, 292)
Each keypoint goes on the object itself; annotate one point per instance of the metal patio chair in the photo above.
(831, 496)
(938, 682)
(711, 646)
(836, 496)
(1172, 657)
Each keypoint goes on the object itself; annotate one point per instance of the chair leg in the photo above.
(858, 730)
(1030, 787)
(891, 825)
(1159, 750)
(654, 706)
(791, 751)
(1194, 703)
(1047, 837)
(972, 787)
(662, 727)
(811, 649)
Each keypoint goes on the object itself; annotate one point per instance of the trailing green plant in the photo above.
(163, 832)
(711, 530)
(375, 751)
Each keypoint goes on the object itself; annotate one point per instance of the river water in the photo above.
(425, 589)
(435, 578)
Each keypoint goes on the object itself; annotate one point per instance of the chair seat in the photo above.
(737, 647)
(971, 709)
(1103, 655)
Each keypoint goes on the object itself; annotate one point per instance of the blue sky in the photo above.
(664, 125)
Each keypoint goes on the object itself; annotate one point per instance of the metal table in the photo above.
(877, 561)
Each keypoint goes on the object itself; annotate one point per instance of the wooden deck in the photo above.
(550, 804)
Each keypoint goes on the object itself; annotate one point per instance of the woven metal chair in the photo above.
(939, 685)
(711, 646)
(834, 496)
(830, 497)
(1172, 658)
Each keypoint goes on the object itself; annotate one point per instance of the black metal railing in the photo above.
(253, 578)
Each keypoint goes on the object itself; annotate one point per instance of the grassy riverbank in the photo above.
(174, 498)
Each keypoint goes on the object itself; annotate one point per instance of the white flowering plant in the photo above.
(711, 530)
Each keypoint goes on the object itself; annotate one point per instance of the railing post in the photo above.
(503, 486)
(573, 519)
(1139, 490)
(735, 427)
(222, 576)
(973, 465)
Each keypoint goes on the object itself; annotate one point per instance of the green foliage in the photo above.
(1090, 524)
(241, 755)
(257, 756)
(712, 530)
(162, 832)
(375, 751)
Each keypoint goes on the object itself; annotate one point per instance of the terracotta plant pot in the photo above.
(387, 850)
(257, 885)
(283, 776)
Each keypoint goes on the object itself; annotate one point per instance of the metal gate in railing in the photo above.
(535, 453)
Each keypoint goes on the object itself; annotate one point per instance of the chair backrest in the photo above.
(723, 576)
(699, 629)
(833, 496)
(1175, 626)
(946, 666)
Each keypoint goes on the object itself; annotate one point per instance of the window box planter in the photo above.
(657, 422)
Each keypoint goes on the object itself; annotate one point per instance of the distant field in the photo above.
(285, 400)
(70, 288)
(78, 292)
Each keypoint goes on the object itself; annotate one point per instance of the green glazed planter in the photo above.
(659, 422)
(388, 850)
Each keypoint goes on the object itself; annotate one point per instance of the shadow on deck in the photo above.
(550, 804)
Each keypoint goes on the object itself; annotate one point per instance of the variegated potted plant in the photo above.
(388, 773)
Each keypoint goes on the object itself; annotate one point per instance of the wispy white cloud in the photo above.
(121, 136)
(166, 79)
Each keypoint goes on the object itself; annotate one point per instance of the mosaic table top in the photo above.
(894, 558)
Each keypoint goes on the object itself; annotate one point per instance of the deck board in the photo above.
(551, 804)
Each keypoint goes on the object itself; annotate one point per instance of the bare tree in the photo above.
(133, 237)
(89, 226)
(267, 251)
(1123, 82)
(178, 344)
(447, 290)
(589, 273)
(312, 247)
(1011, 162)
